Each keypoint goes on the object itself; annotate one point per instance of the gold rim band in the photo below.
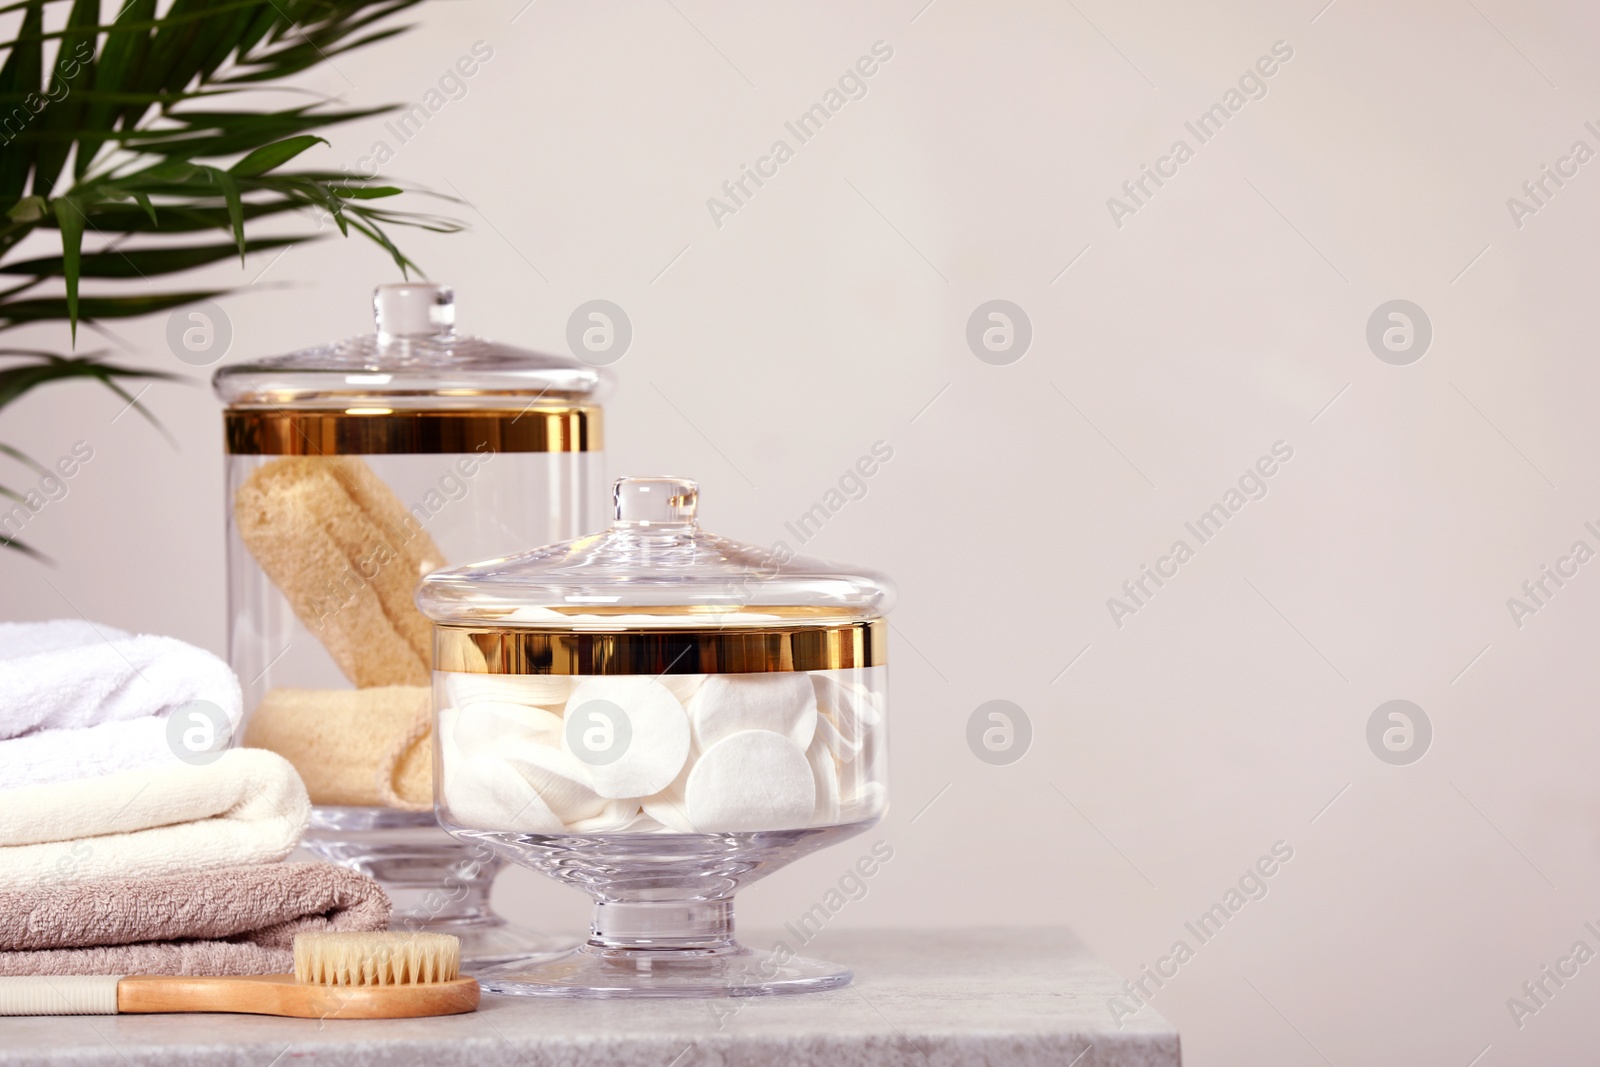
(379, 431)
(655, 652)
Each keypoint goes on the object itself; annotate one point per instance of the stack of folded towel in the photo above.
(117, 857)
(79, 699)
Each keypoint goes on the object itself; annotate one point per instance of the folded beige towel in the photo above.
(367, 747)
(347, 556)
(247, 806)
(238, 920)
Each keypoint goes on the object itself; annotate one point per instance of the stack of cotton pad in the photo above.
(687, 753)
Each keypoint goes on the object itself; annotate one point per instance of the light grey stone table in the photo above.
(927, 998)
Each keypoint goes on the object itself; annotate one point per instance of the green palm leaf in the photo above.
(121, 147)
(142, 262)
(46, 368)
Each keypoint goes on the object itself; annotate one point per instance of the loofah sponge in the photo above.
(347, 556)
(363, 747)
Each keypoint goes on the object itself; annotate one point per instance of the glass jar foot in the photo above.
(600, 971)
(437, 883)
(665, 948)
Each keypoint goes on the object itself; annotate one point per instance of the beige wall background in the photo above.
(1227, 313)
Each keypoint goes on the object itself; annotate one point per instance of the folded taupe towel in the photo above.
(237, 920)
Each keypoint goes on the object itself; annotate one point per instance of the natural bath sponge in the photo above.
(347, 556)
(363, 747)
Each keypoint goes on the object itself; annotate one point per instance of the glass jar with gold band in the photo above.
(354, 470)
(659, 716)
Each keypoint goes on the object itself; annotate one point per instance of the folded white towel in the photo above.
(249, 806)
(78, 699)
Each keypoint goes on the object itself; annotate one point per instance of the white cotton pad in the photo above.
(830, 710)
(826, 775)
(485, 793)
(752, 780)
(844, 750)
(617, 815)
(865, 703)
(487, 727)
(870, 759)
(668, 806)
(642, 823)
(444, 733)
(782, 702)
(532, 613)
(682, 686)
(671, 812)
(852, 708)
(544, 690)
(561, 781)
(868, 800)
(652, 738)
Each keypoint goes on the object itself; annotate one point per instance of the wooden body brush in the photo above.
(336, 976)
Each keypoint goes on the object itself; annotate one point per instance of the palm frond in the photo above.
(120, 146)
(127, 103)
(45, 368)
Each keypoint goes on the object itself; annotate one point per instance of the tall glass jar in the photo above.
(354, 470)
(659, 716)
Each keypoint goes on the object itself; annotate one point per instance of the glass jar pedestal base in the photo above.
(598, 970)
(438, 884)
(663, 919)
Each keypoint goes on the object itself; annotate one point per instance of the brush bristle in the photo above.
(376, 959)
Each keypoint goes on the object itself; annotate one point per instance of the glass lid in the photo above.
(414, 357)
(654, 569)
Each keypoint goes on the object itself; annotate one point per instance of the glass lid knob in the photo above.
(405, 309)
(655, 501)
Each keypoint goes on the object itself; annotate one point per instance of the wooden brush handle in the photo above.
(280, 994)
